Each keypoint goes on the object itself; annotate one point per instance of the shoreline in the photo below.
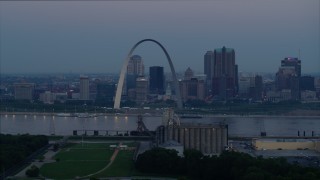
(157, 115)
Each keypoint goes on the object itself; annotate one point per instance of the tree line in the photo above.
(15, 148)
(228, 165)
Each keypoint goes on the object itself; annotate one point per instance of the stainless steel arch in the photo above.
(124, 71)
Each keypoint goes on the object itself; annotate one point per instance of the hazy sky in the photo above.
(86, 37)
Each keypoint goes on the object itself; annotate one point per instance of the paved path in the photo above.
(48, 158)
(113, 157)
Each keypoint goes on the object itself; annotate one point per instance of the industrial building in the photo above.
(207, 138)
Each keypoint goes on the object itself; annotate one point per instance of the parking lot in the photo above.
(302, 157)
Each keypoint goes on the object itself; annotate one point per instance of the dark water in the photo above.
(238, 126)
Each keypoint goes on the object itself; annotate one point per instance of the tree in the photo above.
(158, 160)
(33, 171)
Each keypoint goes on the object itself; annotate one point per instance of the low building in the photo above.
(47, 97)
(309, 96)
(173, 145)
(23, 91)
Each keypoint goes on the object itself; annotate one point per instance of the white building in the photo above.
(47, 97)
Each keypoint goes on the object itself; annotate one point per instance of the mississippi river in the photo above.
(248, 126)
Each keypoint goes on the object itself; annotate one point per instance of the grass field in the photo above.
(78, 160)
(122, 166)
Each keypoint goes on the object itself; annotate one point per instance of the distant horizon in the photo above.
(316, 74)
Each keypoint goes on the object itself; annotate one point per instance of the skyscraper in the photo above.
(208, 71)
(136, 66)
(288, 79)
(84, 88)
(209, 65)
(141, 90)
(292, 62)
(134, 70)
(224, 82)
(156, 80)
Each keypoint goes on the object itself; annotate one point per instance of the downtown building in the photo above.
(225, 75)
(105, 91)
(288, 79)
(308, 89)
(84, 88)
(156, 80)
(208, 70)
(250, 87)
(141, 90)
(192, 87)
(23, 91)
(135, 69)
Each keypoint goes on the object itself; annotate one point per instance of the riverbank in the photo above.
(297, 114)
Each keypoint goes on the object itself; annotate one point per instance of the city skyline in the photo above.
(88, 37)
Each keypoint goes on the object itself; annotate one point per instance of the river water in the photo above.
(238, 125)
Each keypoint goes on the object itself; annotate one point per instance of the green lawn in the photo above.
(122, 166)
(93, 145)
(78, 160)
(130, 144)
(70, 170)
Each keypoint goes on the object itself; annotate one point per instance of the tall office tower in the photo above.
(292, 62)
(141, 90)
(287, 80)
(134, 70)
(208, 71)
(224, 77)
(236, 78)
(84, 88)
(156, 80)
(136, 66)
(288, 77)
(23, 91)
(209, 65)
(258, 85)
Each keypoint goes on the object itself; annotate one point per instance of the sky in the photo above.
(96, 36)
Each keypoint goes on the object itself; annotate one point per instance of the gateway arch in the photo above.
(124, 71)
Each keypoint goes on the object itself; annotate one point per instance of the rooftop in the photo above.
(228, 50)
